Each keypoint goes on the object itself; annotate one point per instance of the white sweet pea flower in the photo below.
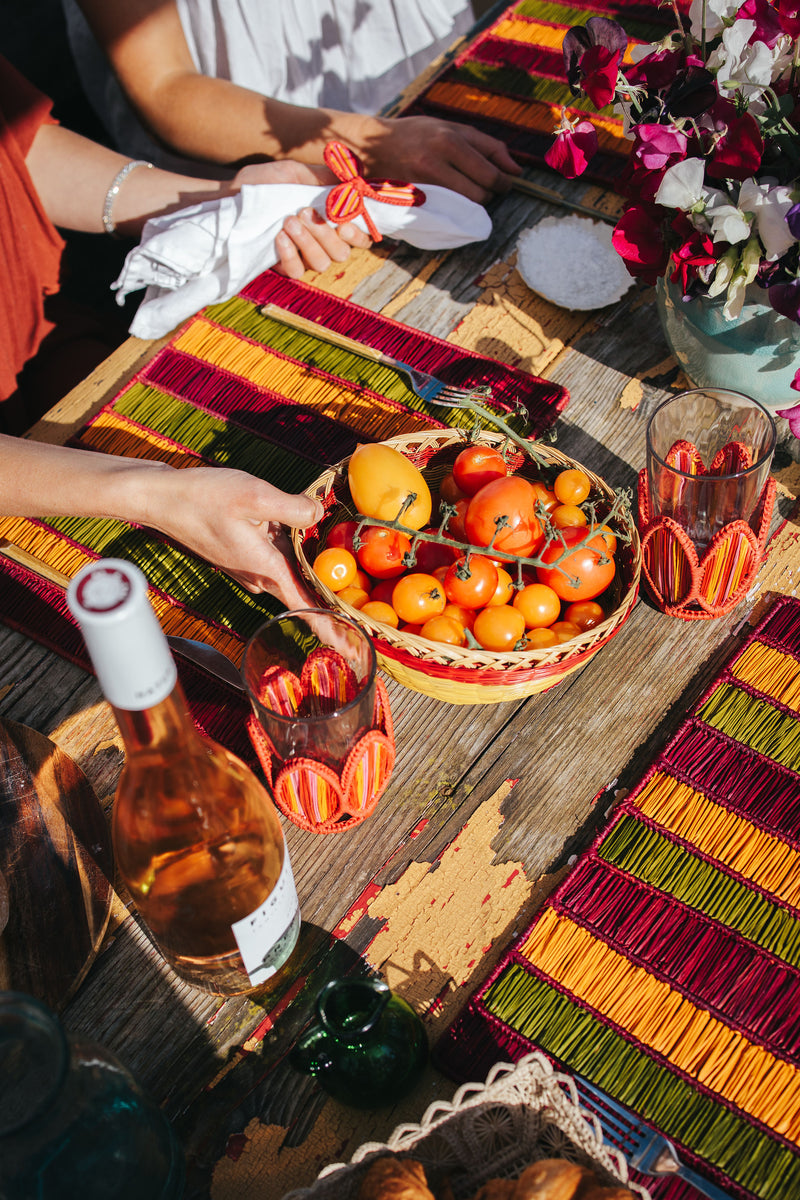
(728, 222)
(744, 67)
(743, 275)
(770, 201)
(716, 13)
(682, 186)
(723, 273)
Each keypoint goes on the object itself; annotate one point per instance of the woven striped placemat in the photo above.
(666, 967)
(236, 388)
(509, 81)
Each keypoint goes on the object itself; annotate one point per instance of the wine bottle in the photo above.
(196, 838)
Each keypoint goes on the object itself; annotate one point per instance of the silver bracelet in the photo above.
(116, 184)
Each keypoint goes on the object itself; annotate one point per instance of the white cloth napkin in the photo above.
(210, 251)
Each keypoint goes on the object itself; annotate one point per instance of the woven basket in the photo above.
(494, 1130)
(457, 673)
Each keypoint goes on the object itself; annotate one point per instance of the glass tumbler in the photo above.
(708, 459)
(311, 678)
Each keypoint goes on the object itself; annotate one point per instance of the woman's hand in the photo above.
(307, 241)
(235, 521)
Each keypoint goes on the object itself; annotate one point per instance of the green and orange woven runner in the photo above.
(509, 81)
(236, 388)
(666, 967)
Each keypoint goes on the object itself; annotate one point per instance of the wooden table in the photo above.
(487, 805)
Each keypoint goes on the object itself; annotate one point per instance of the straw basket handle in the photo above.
(324, 334)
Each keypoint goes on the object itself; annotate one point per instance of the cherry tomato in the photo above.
(456, 526)
(471, 583)
(433, 554)
(572, 486)
(362, 580)
(341, 535)
(504, 592)
(411, 629)
(586, 614)
(382, 590)
(514, 499)
(464, 616)
(609, 538)
(381, 612)
(499, 628)
(568, 516)
(381, 551)
(449, 491)
(540, 639)
(353, 595)
(476, 466)
(565, 631)
(443, 629)
(335, 567)
(544, 495)
(418, 596)
(539, 605)
(584, 573)
(439, 573)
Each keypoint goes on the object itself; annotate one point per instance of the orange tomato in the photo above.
(499, 628)
(443, 629)
(572, 486)
(381, 480)
(471, 581)
(568, 516)
(540, 639)
(335, 567)
(417, 596)
(544, 495)
(565, 631)
(539, 605)
(464, 616)
(353, 595)
(504, 592)
(585, 572)
(586, 614)
(379, 611)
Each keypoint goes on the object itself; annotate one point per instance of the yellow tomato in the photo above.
(381, 479)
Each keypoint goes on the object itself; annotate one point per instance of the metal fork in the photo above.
(427, 387)
(646, 1151)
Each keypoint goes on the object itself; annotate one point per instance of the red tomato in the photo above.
(449, 491)
(539, 605)
(431, 555)
(336, 568)
(471, 584)
(586, 614)
(584, 573)
(382, 591)
(476, 466)
(416, 597)
(514, 499)
(499, 628)
(341, 535)
(381, 551)
(456, 527)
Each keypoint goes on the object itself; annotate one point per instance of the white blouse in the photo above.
(352, 55)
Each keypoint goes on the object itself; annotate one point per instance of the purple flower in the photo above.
(785, 299)
(793, 220)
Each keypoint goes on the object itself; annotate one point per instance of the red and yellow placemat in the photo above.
(509, 80)
(666, 967)
(236, 388)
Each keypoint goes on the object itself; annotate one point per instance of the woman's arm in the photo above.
(228, 517)
(72, 176)
(217, 121)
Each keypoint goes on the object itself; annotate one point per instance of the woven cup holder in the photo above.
(312, 795)
(698, 588)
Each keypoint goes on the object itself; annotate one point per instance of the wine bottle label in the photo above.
(125, 641)
(262, 935)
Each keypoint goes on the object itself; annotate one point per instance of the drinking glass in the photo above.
(704, 499)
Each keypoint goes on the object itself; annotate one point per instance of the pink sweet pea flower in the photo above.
(658, 146)
(573, 148)
(789, 16)
(792, 414)
(592, 55)
(639, 241)
(599, 67)
(738, 153)
(769, 27)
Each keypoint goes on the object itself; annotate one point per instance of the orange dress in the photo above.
(30, 245)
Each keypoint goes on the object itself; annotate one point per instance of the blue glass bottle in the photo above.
(74, 1123)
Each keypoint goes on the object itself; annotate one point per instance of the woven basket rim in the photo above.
(459, 662)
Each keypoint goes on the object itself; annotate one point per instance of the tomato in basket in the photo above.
(505, 508)
(584, 573)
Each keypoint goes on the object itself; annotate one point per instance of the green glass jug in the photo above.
(369, 1047)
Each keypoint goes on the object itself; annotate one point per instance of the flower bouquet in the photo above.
(712, 184)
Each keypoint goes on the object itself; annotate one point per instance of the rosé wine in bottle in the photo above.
(197, 839)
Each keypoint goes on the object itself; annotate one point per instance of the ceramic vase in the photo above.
(757, 354)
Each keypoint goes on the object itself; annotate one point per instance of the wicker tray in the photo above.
(455, 673)
(490, 1130)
